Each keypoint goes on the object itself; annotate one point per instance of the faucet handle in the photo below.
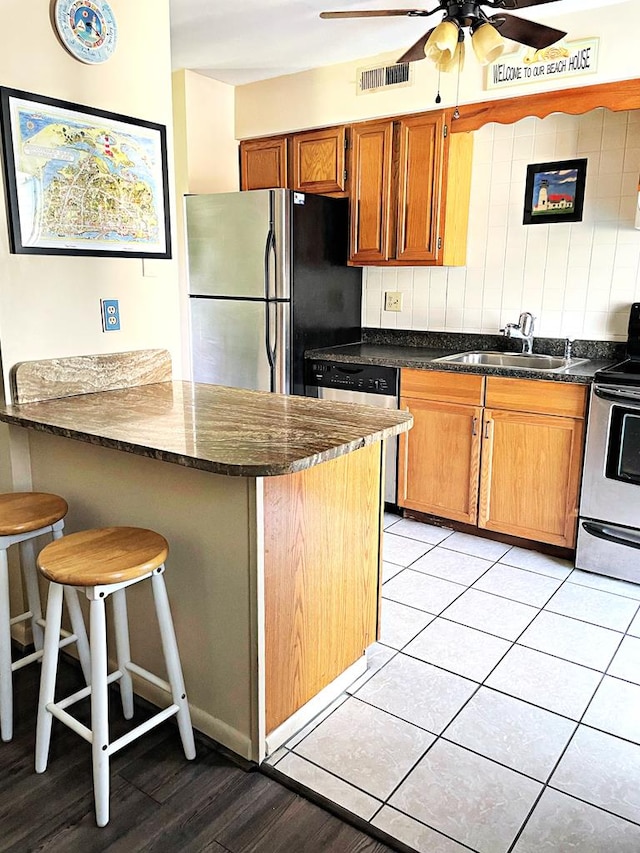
(526, 322)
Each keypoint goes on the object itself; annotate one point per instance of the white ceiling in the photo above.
(239, 41)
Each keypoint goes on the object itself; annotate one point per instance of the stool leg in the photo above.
(6, 677)
(99, 711)
(172, 662)
(33, 591)
(123, 651)
(77, 626)
(48, 675)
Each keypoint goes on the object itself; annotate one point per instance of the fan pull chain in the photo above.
(438, 98)
(456, 111)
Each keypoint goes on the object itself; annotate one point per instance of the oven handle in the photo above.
(615, 394)
(602, 531)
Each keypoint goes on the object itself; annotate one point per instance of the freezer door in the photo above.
(228, 343)
(230, 243)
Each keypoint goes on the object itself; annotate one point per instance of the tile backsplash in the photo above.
(578, 278)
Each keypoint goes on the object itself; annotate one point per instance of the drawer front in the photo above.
(536, 395)
(446, 386)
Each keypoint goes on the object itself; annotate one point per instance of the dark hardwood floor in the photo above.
(159, 801)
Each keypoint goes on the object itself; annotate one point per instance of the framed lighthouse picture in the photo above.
(554, 192)
(83, 181)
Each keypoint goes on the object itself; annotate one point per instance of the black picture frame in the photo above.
(83, 181)
(563, 182)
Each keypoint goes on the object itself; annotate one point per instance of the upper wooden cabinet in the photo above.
(310, 162)
(408, 180)
(410, 192)
(263, 163)
(422, 144)
(371, 210)
(319, 160)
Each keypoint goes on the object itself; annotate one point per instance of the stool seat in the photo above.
(107, 555)
(22, 512)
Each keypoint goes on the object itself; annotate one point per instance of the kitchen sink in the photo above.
(513, 360)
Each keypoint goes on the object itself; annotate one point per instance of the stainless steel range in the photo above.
(609, 527)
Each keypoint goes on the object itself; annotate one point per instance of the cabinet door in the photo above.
(530, 475)
(439, 459)
(319, 160)
(372, 144)
(263, 163)
(422, 149)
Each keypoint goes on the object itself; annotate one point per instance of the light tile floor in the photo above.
(500, 711)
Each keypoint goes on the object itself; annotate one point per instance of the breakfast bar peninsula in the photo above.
(272, 508)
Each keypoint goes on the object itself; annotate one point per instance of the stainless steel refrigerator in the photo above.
(268, 279)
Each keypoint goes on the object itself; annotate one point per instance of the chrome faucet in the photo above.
(522, 329)
(567, 348)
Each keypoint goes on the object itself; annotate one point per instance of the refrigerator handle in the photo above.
(269, 251)
(270, 345)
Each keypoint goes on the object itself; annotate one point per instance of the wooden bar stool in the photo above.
(103, 563)
(23, 517)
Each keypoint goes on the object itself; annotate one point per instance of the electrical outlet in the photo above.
(393, 300)
(110, 311)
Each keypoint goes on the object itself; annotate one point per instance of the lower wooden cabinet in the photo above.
(512, 466)
(530, 475)
(440, 460)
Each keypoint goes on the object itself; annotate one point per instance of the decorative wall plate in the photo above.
(87, 28)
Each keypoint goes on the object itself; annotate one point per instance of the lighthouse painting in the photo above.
(555, 192)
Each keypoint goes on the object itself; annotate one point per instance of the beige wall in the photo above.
(206, 158)
(206, 150)
(325, 96)
(50, 306)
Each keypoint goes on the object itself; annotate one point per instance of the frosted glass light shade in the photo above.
(441, 44)
(456, 62)
(487, 43)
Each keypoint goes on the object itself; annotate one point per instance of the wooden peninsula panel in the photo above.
(322, 562)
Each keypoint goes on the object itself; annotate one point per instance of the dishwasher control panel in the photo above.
(365, 378)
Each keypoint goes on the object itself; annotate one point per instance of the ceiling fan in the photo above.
(444, 43)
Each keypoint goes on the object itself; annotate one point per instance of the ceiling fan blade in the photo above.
(520, 4)
(379, 13)
(526, 32)
(416, 51)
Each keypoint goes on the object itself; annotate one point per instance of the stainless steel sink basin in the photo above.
(513, 360)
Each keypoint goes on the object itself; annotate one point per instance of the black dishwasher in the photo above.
(367, 385)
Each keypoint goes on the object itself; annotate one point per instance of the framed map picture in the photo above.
(82, 181)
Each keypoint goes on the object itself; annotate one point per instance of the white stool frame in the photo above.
(98, 734)
(34, 613)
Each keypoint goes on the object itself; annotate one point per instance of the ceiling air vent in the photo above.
(384, 77)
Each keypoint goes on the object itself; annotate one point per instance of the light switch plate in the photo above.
(393, 300)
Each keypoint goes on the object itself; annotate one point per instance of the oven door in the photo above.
(611, 477)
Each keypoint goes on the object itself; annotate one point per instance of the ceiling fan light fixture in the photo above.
(442, 43)
(487, 43)
(456, 63)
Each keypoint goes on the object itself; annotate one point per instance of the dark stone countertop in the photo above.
(222, 430)
(418, 350)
